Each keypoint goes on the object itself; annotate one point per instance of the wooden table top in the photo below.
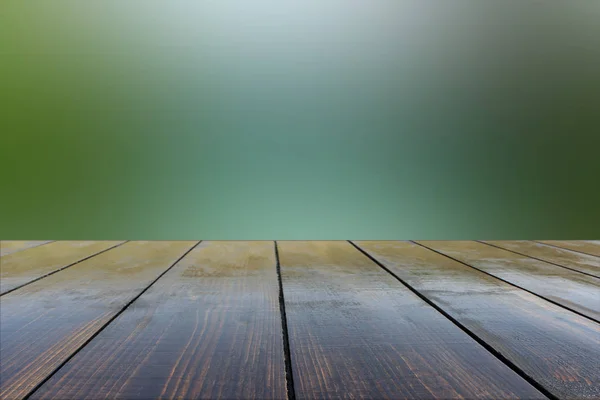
(300, 320)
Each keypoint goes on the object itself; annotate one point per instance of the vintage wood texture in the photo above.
(566, 258)
(19, 268)
(590, 247)
(208, 329)
(44, 323)
(12, 246)
(571, 289)
(554, 346)
(356, 332)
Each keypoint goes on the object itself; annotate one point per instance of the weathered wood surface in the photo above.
(20, 268)
(568, 288)
(591, 247)
(210, 328)
(356, 332)
(566, 258)
(557, 348)
(12, 246)
(44, 323)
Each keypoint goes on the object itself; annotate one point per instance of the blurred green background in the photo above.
(317, 120)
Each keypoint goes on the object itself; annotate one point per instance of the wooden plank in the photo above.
(565, 258)
(44, 323)
(591, 247)
(555, 347)
(20, 268)
(12, 246)
(356, 332)
(571, 289)
(210, 328)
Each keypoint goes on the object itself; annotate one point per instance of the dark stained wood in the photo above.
(19, 268)
(591, 247)
(571, 289)
(12, 246)
(44, 323)
(556, 347)
(577, 261)
(356, 332)
(210, 328)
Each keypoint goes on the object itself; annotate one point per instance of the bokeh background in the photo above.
(265, 119)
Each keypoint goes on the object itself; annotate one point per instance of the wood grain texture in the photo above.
(12, 246)
(577, 261)
(591, 247)
(44, 323)
(569, 288)
(356, 332)
(25, 266)
(556, 347)
(210, 328)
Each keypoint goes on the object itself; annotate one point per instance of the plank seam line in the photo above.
(539, 259)
(484, 344)
(289, 377)
(510, 283)
(564, 248)
(28, 248)
(51, 374)
(62, 268)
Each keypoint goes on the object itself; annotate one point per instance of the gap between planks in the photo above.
(485, 345)
(539, 259)
(565, 248)
(61, 268)
(289, 376)
(121, 311)
(510, 283)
